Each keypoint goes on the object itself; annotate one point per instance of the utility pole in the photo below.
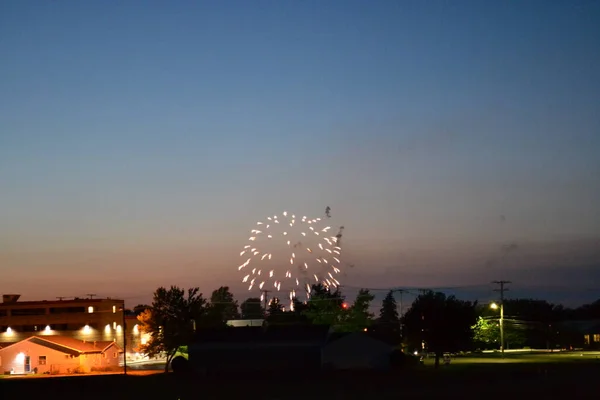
(501, 290)
(401, 291)
(265, 296)
(124, 332)
(91, 295)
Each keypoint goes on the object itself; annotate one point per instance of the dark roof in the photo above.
(262, 334)
(338, 335)
(582, 326)
(57, 302)
(70, 345)
(6, 344)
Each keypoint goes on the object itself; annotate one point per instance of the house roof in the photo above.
(582, 326)
(271, 334)
(78, 345)
(58, 302)
(6, 344)
(69, 345)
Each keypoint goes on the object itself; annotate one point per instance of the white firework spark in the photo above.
(296, 251)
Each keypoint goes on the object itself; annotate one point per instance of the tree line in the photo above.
(434, 322)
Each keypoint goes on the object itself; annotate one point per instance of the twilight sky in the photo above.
(457, 141)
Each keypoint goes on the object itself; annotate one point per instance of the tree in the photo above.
(252, 309)
(140, 308)
(387, 325)
(171, 321)
(441, 323)
(486, 334)
(325, 307)
(275, 311)
(223, 306)
(388, 314)
(358, 316)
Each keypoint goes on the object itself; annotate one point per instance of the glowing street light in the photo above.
(494, 306)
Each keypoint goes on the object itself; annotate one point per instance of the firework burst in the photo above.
(289, 252)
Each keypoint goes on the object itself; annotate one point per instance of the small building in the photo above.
(273, 349)
(58, 355)
(356, 351)
(582, 332)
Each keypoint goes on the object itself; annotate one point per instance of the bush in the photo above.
(180, 365)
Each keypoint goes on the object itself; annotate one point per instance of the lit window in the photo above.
(90, 310)
(114, 309)
(42, 360)
(586, 339)
(107, 329)
(596, 337)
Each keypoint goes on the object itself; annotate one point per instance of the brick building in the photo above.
(93, 319)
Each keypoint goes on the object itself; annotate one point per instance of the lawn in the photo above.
(523, 357)
(517, 376)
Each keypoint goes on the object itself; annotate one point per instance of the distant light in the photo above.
(9, 331)
(87, 330)
(493, 306)
(344, 305)
(119, 328)
(20, 358)
(136, 330)
(114, 325)
(107, 328)
(114, 309)
(47, 329)
(90, 309)
(365, 329)
(416, 353)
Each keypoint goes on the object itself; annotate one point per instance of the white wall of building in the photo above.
(12, 358)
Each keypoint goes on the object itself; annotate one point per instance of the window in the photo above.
(28, 311)
(67, 310)
(114, 309)
(597, 337)
(42, 360)
(115, 354)
(586, 339)
(103, 355)
(90, 310)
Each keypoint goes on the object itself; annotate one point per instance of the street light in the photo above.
(494, 306)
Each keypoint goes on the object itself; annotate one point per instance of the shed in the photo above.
(354, 351)
(259, 349)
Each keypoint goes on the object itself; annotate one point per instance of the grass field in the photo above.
(522, 357)
(485, 376)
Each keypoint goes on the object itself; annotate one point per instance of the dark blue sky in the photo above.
(145, 138)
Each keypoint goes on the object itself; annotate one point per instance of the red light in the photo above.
(344, 305)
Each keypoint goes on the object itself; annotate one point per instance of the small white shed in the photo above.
(356, 351)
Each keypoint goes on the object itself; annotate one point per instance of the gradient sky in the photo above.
(457, 141)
